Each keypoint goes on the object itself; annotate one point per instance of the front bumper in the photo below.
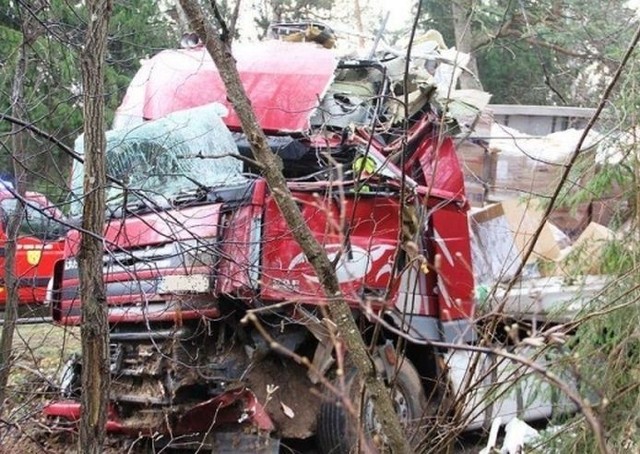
(235, 407)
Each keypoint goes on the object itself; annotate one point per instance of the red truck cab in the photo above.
(198, 256)
(40, 245)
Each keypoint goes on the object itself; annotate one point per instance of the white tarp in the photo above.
(553, 148)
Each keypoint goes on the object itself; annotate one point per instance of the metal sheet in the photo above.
(284, 82)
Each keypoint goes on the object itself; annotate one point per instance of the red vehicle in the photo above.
(195, 242)
(40, 245)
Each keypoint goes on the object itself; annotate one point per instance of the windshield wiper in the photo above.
(136, 204)
(200, 186)
(199, 192)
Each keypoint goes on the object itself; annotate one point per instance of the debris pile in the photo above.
(503, 232)
(509, 177)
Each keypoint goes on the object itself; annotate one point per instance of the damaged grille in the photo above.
(167, 367)
(140, 273)
(178, 256)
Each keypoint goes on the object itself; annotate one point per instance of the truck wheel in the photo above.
(338, 431)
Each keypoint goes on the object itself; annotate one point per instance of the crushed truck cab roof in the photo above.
(284, 82)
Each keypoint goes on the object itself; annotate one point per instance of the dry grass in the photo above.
(39, 352)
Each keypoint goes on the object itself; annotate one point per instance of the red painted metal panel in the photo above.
(365, 261)
(155, 228)
(454, 267)
(227, 408)
(439, 167)
(241, 245)
(35, 258)
(284, 82)
(234, 270)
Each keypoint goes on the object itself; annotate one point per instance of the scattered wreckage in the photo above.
(195, 243)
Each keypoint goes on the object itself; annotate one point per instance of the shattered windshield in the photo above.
(158, 160)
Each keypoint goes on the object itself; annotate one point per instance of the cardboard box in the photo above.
(476, 162)
(572, 221)
(494, 253)
(605, 210)
(524, 217)
(476, 194)
(478, 168)
(534, 165)
(585, 257)
(502, 233)
(517, 176)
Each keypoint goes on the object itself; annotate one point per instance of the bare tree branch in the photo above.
(338, 308)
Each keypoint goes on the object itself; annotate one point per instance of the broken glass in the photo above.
(158, 160)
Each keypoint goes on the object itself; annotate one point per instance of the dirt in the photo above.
(297, 396)
(39, 351)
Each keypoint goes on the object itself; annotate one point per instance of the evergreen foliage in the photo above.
(540, 52)
(53, 87)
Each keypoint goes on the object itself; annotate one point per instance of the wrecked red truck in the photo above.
(40, 244)
(195, 242)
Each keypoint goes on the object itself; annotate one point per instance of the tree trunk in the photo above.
(11, 281)
(461, 11)
(30, 32)
(339, 310)
(94, 329)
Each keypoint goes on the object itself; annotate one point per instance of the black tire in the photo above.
(337, 431)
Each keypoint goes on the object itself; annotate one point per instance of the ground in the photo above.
(39, 351)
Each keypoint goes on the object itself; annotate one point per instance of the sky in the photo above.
(399, 14)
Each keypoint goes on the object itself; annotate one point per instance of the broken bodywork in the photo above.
(195, 241)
